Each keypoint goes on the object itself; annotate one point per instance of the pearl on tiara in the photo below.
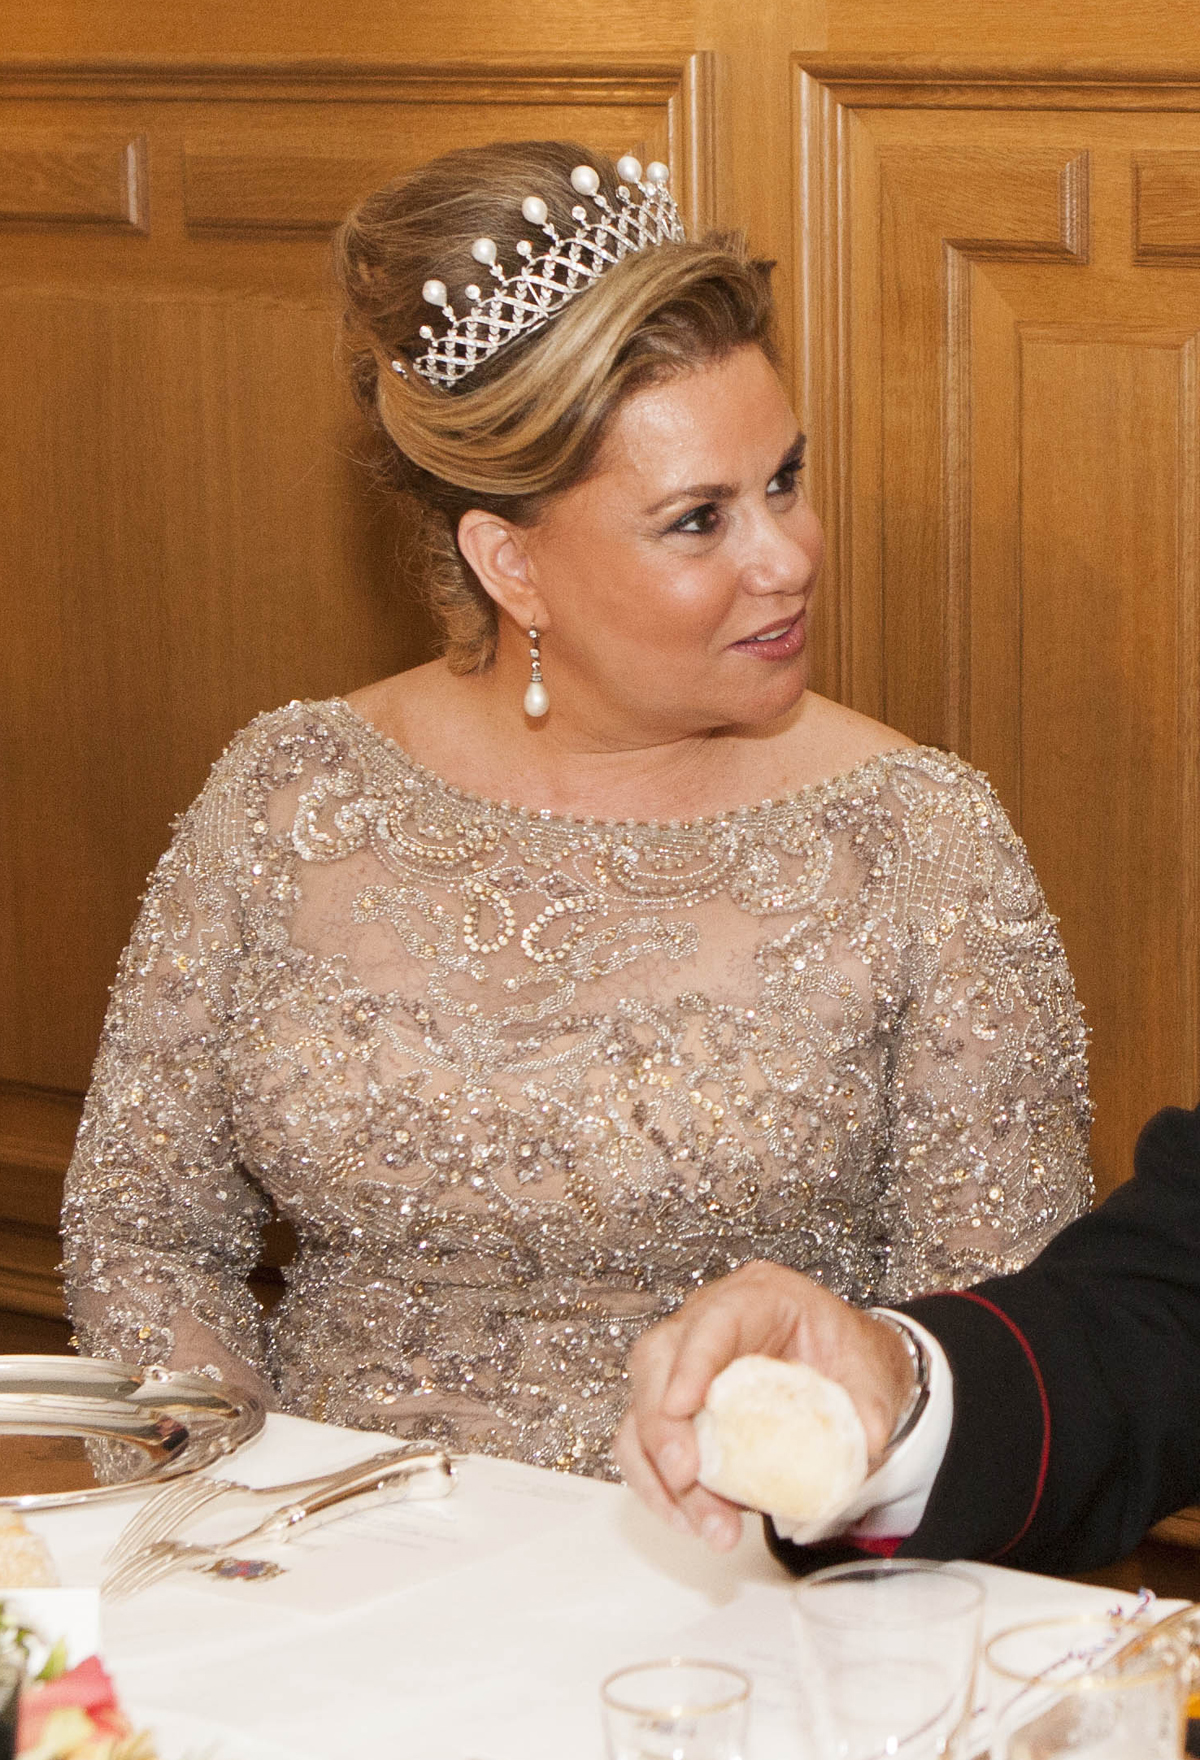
(639, 217)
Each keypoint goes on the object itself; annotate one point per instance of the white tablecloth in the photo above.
(475, 1628)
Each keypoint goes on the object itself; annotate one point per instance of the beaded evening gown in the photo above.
(521, 1082)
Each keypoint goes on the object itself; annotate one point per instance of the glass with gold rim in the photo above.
(1071, 1689)
(676, 1709)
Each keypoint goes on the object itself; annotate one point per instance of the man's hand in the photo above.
(762, 1310)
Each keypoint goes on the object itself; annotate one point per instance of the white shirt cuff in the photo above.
(892, 1501)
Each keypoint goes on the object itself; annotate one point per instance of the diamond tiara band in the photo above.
(643, 215)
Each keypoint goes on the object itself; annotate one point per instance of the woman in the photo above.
(541, 984)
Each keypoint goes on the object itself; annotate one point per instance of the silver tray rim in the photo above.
(231, 1416)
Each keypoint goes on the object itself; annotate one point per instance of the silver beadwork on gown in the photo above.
(521, 1082)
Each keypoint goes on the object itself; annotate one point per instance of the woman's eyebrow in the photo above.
(696, 492)
(724, 491)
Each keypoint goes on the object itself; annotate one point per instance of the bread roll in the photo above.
(781, 1438)
(24, 1559)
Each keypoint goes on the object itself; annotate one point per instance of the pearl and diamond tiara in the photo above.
(643, 215)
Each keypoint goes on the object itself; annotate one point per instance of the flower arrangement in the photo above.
(75, 1716)
(68, 1713)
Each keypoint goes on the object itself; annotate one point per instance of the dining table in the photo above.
(478, 1626)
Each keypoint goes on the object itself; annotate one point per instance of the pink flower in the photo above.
(85, 1688)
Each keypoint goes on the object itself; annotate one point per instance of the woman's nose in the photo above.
(783, 558)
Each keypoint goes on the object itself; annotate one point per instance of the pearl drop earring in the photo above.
(537, 700)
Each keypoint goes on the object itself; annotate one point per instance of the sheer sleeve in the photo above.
(988, 1102)
(161, 1225)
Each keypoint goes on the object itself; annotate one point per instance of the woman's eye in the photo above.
(700, 522)
(784, 481)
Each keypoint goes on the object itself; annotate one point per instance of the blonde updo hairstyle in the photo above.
(529, 422)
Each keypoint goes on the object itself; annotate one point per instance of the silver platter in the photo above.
(77, 1429)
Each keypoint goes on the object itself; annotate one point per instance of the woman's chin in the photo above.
(775, 699)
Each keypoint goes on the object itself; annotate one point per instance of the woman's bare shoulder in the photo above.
(825, 739)
(390, 703)
(856, 735)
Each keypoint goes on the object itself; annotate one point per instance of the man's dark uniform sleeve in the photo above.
(1076, 1381)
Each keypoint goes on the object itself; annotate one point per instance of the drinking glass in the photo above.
(1059, 1688)
(676, 1710)
(888, 1652)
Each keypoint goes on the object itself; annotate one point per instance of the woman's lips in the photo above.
(780, 645)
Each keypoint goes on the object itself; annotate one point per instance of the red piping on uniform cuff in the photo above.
(884, 1545)
(969, 1295)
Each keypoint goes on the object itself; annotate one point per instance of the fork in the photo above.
(381, 1480)
(172, 1508)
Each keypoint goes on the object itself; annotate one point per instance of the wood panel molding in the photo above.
(821, 325)
(827, 92)
(695, 132)
(37, 1134)
(952, 84)
(1068, 244)
(30, 1281)
(943, 260)
(949, 83)
(287, 187)
(280, 186)
(37, 1130)
(336, 81)
(838, 227)
(1187, 686)
(1166, 207)
(51, 178)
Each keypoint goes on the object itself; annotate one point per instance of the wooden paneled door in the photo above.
(989, 262)
(1005, 278)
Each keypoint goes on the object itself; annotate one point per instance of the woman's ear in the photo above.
(497, 552)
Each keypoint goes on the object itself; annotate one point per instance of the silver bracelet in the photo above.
(918, 1399)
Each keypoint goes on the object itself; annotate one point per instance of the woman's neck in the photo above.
(470, 732)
